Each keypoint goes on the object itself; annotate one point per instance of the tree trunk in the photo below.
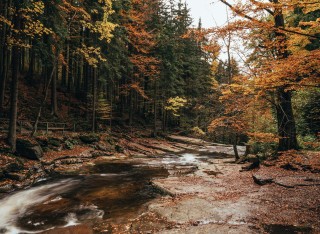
(94, 99)
(130, 108)
(16, 52)
(155, 110)
(4, 58)
(3, 79)
(54, 103)
(235, 149)
(30, 73)
(286, 122)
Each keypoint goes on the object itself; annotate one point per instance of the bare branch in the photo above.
(240, 13)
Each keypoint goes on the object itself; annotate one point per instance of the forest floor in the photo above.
(219, 196)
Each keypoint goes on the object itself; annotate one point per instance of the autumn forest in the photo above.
(138, 78)
(142, 62)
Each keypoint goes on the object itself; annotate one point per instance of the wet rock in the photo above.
(261, 180)
(28, 149)
(5, 187)
(17, 176)
(89, 139)
(13, 167)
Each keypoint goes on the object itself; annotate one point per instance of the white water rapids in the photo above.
(14, 206)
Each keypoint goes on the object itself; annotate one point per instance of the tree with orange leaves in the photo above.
(281, 62)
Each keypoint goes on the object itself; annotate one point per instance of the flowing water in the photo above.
(108, 191)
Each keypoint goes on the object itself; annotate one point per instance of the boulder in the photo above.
(89, 139)
(54, 142)
(13, 167)
(29, 149)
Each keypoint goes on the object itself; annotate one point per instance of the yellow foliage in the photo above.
(91, 54)
(174, 104)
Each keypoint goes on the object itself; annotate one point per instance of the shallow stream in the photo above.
(109, 191)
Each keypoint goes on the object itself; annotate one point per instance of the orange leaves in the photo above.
(68, 8)
(141, 44)
(136, 87)
(233, 123)
(263, 137)
(297, 71)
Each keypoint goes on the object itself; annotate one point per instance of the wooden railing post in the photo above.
(47, 127)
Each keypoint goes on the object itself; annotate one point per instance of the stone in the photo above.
(54, 142)
(89, 139)
(17, 176)
(13, 167)
(28, 149)
(5, 187)
(260, 180)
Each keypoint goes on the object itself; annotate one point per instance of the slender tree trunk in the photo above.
(30, 73)
(4, 78)
(65, 72)
(4, 59)
(54, 103)
(235, 149)
(155, 110)
(16, 52)
(94, 100)
(130, 108)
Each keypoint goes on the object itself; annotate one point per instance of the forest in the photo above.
(142, 63)
(105, 74)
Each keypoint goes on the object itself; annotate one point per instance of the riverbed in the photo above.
(112, 191)
(198, 190)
